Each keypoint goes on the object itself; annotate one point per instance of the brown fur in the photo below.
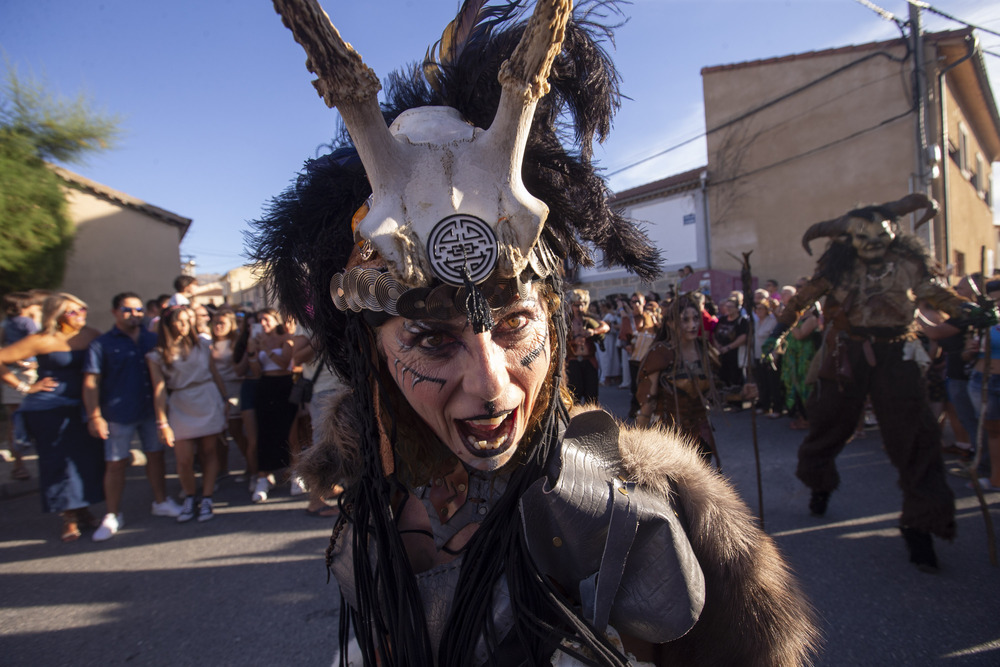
(755, 612)
(754, 615)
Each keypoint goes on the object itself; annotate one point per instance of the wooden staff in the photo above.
(746, 278)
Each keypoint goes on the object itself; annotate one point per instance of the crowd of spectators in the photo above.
(175, 375)
(634, 321)
(783, 366)
(170, 375)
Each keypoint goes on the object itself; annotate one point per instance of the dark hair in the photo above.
(276, 314)
(116, 300)
(170, 344)
(15, 302)
(181, 282)
(162, 301)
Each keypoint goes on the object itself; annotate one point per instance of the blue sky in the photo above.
(218, 113)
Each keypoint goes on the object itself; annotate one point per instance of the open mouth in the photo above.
(487, 436)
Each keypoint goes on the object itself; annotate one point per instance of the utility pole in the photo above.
(923, 167)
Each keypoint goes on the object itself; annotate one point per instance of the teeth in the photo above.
(484, 444)
(491, 422)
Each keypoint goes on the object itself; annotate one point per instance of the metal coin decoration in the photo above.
(377, 291)
(387, 292)
(461, 243)
(337, 291)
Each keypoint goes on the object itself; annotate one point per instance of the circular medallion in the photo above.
(459, 243)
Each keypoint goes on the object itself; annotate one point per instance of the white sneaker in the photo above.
(260, 489)
(187, 510)
(110, 525)
(205, 510)
(167, 508)
(298, 486)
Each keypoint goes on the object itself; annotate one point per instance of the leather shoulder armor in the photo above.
(618, 548)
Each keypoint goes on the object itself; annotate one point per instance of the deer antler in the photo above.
(344, 81)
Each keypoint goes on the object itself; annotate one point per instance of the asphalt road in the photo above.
(249, 587)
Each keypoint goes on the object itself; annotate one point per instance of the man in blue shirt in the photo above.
(118, 396)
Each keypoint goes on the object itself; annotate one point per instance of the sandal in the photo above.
(70, 529)
(20, 473)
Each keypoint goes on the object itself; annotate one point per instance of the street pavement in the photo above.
(250, 586)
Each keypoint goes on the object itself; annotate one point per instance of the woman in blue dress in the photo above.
(70, 460)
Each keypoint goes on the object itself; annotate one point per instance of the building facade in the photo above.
(672, 213)
(121, 244)
(803, 138)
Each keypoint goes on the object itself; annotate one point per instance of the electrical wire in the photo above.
(770, 103)
(889, 16)
(884, 13)
(817, 149)
(934, 10)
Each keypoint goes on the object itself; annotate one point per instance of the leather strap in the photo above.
(621, 534)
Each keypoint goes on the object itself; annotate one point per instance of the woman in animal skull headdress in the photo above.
(483, 525)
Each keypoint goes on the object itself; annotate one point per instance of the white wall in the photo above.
(675, 225)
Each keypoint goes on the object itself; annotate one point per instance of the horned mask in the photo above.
(871, 229)
(448, 205)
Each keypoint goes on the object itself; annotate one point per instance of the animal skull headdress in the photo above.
(448, 203)
(887, 213)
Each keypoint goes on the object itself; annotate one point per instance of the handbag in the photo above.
(302, 391)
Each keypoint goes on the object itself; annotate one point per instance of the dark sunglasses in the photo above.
(135, 311)
(636, 301)
(77, 311)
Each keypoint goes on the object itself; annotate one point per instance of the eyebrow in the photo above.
(458, 324)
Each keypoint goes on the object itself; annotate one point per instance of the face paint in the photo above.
(472, 390)
(690, 324)
(534, 354)
(401, 371)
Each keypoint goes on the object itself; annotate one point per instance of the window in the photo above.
(959, 268)
(982, 176)
(963, 149)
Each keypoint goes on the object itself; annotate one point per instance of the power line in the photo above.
(766, 105)
(658, 154)
(817, 149)
(934, 10)
(884, 13)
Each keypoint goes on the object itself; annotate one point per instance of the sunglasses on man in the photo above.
(125, 310)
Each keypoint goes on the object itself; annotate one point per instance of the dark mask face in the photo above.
(871, 239)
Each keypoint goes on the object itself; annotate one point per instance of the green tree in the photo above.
(37, 127)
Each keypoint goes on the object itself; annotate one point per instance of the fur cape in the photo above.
(755, 614)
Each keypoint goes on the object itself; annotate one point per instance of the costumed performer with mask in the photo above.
(676, 380)
(481, 525)
(873, 275)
